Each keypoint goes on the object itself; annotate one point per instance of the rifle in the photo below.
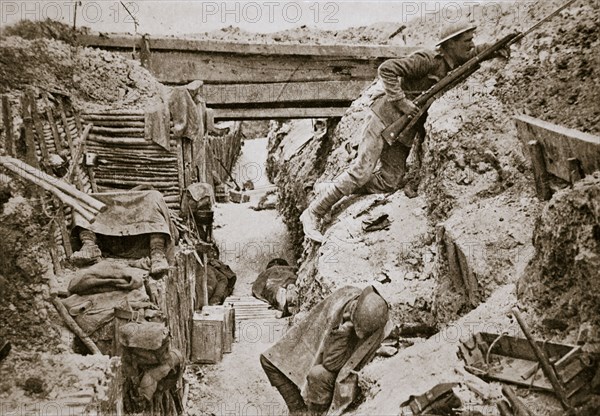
(401, 128)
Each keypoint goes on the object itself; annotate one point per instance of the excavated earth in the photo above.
(476, 188)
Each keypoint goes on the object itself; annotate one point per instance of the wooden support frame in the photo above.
(178, 61)
(284, 92)
(274, 113)
(559, 151)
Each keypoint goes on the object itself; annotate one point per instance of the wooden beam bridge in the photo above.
(259, 81)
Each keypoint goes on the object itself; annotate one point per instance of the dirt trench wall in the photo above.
(562, 282)
(42, 365)
(474, 188)
(26, 315)
(475, 177)
(297, 154)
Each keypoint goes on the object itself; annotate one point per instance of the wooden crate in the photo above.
(207, 338)
(227, 313)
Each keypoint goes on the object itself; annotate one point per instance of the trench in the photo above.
(247, 240)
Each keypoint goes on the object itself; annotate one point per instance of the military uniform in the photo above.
(405, 77)
(314, 363)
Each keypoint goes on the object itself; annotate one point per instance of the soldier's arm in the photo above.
(338, 347)
(394, 70)
(501, 53)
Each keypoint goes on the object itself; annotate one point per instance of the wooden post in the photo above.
(57, 142)
(74, 168)
(92, 176)
(191, 174)
(78, 122)
(73, 326)
(145, 53)
(180, 167)
(8, 126)
(72, 150)
(540, 173)
(31, 157)
(549, 371)
(205, 280)
(559, 144)
(39, 128)
(62, 226)
(67, 130)
(574, 170)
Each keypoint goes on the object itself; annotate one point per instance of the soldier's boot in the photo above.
(158, 258)
(317, 209)
(89, 253)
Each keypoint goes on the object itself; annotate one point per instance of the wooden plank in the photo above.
(560, 144)
(113, 118)
(8, 126)
(219, 68)
(123, 141)
(279, 92)
(195, 45)
(135, 182)
(62, 227)
(119, 131)
(273, 113)
(118, 123)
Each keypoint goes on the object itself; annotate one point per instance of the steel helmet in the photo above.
(455, 29)
(370, 314)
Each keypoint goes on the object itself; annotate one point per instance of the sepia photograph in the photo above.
(300, 207)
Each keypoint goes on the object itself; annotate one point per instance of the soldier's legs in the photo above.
(391, 172)
(319, 388)
(89, 252)
(358, 174)
(370, 150)
(288, 390)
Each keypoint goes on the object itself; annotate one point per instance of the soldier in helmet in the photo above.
(402, 79)
(314, 365)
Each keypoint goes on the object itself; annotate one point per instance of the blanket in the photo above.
(301, 347)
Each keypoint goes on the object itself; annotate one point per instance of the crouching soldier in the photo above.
(314, 365)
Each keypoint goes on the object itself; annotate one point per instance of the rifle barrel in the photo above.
(545, 19)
